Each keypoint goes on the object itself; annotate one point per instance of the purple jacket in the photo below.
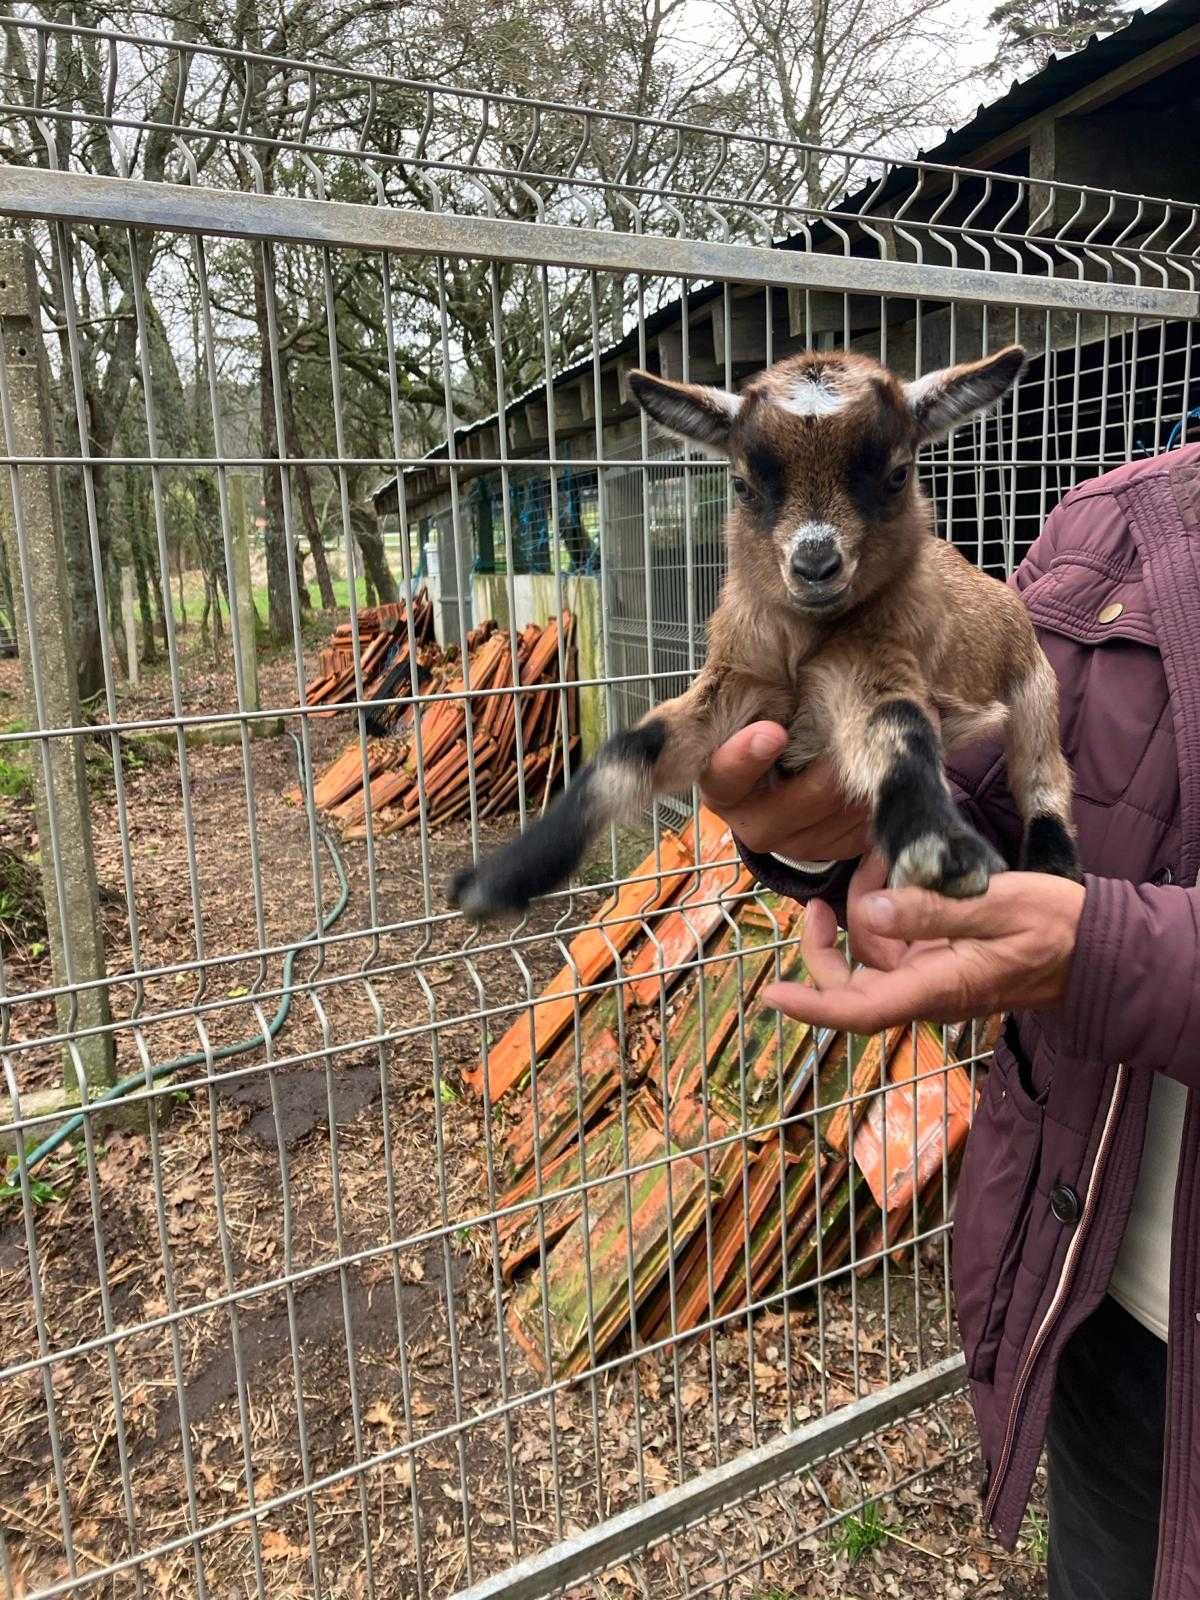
(1053, 1157)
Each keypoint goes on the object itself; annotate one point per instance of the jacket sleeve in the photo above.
(1133, 993)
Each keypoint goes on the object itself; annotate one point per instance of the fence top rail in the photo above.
(102, 102)
(32, 196)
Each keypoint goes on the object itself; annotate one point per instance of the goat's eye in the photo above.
(740, 487)
(897, 478)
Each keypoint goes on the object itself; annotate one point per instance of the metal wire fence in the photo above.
(310, 1303)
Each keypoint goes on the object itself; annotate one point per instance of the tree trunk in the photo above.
(375, 563)
(89, 659)
(8, 602)
(308, 510)
(136, 511)
(183, 616)
(141, 579)
(279, 609)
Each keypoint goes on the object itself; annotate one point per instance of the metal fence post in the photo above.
(32, 529)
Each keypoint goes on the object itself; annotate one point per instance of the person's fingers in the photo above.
(827, 966)
(911, 914)
(867, 946)
(871, 874)
(874, 1000)
(741, 763)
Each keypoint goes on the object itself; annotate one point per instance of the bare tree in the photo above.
(862, 74)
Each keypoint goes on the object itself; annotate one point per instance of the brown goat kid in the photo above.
(845, 618)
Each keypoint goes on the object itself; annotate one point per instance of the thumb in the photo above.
(912, 914)
(741, 763)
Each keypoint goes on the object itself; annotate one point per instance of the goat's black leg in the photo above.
(1039, 776)
(613, 787)
(896, 762)
(665, 754)
(1047, 846)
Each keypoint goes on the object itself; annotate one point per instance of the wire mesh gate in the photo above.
(264, 1327)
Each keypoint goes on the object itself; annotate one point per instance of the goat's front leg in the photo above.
(665, 753)
(888, 752)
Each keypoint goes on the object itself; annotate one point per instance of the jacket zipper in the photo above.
(1064, 1283)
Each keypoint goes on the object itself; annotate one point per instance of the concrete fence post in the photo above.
(32, 529)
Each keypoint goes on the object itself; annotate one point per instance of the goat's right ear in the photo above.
(688, 410)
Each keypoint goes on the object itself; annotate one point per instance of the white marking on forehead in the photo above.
(809, 397)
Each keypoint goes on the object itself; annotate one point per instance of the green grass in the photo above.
(190, 612)
(341, 593)
(858, 1535)
(1035, 1536)
(16, 779)
(22, 910)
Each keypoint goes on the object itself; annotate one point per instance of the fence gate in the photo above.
(363, 1253)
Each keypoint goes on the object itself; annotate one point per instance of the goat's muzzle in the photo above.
(816, 575)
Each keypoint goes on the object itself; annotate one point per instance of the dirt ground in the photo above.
(207, 1357)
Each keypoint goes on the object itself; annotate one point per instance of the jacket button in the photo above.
(1110, 612)
(1064, 1203)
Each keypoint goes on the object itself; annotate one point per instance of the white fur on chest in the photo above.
(810, 729)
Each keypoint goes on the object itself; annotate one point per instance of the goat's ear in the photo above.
(941, 400)
(689, 410)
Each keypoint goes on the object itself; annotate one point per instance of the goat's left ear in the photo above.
(941, 400)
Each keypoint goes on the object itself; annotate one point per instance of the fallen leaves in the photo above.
(276, 1546)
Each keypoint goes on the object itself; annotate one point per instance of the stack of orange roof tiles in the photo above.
(761, 1153)
(472, 737)
(383, 635)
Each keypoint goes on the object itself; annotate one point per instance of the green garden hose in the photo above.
(223, 1052)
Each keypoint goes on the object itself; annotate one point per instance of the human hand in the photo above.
(806, 817)
(936, 959)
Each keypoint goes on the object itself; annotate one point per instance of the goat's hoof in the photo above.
(468, 893)
(1049, 847)
(958, 864)
(485, 896)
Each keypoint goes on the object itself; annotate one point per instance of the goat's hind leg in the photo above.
(1039, 776)
(665, 753)
(889, 753)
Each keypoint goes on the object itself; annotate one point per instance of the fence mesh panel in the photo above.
(310, 1302)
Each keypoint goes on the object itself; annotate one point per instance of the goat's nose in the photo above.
(816, 561)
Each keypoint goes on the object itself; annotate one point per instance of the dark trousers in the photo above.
(1105, 1452)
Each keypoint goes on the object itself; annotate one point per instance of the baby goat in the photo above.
(843, 617)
